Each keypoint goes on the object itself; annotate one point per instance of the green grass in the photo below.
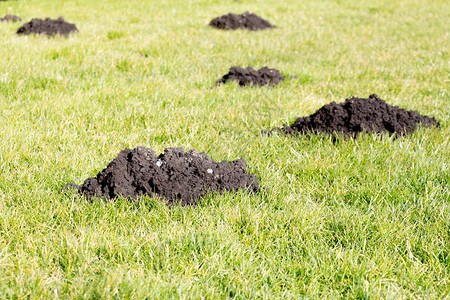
(364, 218)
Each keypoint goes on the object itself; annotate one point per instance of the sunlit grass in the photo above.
(364, 218)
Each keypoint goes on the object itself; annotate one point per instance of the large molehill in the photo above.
(250, 76)
(356, 115)
(175, 175)
(48, 27)
(246, 20)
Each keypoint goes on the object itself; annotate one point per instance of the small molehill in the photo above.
(10, 18)
(244, 21)
(355, 115)
(48, 26)
(175, 175)
(250, 76)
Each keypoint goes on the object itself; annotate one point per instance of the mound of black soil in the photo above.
(48, 26)
(245, 21)
(249, 76)
(10, 18)
(175, 175)
(357, 115)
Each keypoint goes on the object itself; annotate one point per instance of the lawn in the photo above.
(357, 218)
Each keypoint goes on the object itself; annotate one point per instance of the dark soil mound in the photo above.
(48, 26)
(175, 175)
(249, 76)
(357, 115)
(245, 21)
(10, 18)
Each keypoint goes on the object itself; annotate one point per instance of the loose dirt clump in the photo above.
(175, 175)
(10, 18)
(244, 21)
(48, 26)
(250, 76)
(355, 115)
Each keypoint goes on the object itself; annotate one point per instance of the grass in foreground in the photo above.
(365, 218)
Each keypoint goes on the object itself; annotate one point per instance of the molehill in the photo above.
(357, 115)
(48, 26)
(10, 18)
(244, 21)
(249, 76)
(175, 175)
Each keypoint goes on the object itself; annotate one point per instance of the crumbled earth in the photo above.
(175, 175)
(10, 18)
(250, 76)
(244, 21)
(48, 26)
(355, 115)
